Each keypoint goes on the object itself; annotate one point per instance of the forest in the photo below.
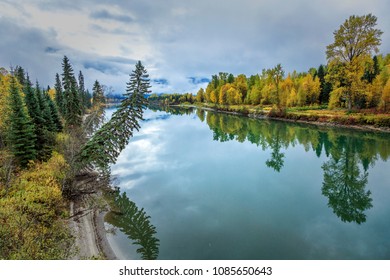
(49, 139)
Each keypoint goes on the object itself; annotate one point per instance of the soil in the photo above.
(86, 221)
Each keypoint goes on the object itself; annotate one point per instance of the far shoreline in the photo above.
(325, 122)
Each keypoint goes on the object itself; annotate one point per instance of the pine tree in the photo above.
(20, 75)
(82, 95)
(21, 134)
(54, 115)
(44, 107)
(107, 143)
(59, 95)
(71, 97)
(35, 114)
(98, 93)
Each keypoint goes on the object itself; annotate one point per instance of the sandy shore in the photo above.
(87, 224)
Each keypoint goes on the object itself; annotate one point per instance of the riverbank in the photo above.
(362, 120)
(87, 213)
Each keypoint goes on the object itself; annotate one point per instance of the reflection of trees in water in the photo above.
(135, 223)
(174, 110)
(351, 154)
(344, 182)
(344, 186)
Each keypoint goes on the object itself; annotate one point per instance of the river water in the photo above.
(206, 185)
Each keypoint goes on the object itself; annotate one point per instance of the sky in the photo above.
(180, 42)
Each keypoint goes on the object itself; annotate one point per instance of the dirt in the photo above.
(86, 221)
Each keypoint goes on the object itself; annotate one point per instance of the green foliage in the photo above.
(344, 186)
(84, 102)
(32, 212)
(54, 114)
(59, 98)
(107, 143)
(21, 136)
(98, 94)
(354, 42)
(72, 106)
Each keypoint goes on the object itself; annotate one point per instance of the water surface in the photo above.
(218, 186)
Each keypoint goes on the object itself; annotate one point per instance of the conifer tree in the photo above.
(59, 95)
(44, 107)
(20, 75)
(71, 96)
(35, 114)
(82, 95)
(54, 115)
(98, 93)
(21, 134)
(107, 143)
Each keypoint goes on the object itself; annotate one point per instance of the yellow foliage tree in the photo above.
(311, 88)
(32, 214)
(386, 96)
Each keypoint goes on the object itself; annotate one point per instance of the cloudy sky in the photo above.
(181, 42)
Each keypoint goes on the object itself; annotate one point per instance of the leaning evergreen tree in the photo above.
(107, 143)
(21, 134)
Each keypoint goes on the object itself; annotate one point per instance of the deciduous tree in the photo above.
(353, 45)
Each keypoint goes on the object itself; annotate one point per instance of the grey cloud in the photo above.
(111, 65)
(51, 50)
(198, 80)
(196, 39)
(104, 67)
(106, 15)
(28, 47)
(160, 81)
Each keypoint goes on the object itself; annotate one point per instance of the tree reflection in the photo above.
(344, 186)
(350, 153)
(277, 157)
(174, 110)
(135, 223)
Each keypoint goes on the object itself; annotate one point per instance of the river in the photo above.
(216, 186)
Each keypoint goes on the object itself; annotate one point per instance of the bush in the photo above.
(32, 212)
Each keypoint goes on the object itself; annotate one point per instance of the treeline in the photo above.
(353, 78)
(314, 87)
(171, 99)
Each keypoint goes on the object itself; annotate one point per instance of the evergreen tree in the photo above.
(59, 95)
(107, 143)
(44, 107)
(54, 115)
(82, 95)
(88, 98)
(20, 75)
(36, 116)
(32, 103)
(98, 93)
(71, 96)
(21, 134)
(372, 70)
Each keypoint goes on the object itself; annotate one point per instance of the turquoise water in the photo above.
(218, 186)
